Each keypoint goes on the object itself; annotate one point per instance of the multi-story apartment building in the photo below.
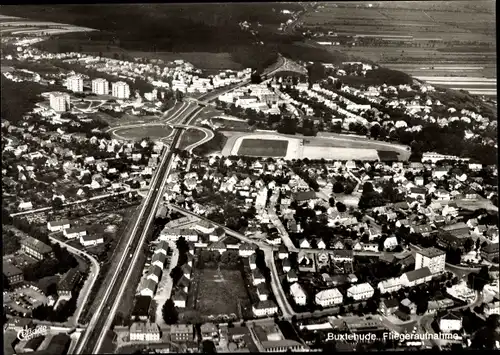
(75, 83)
(100, 86)
(327, 298)
(36, 248)
(181, 332)
(13, 274)
(433, 258)
(68, 282)
(144, 332)
(59, 101)
(360, 292)
(120, 90)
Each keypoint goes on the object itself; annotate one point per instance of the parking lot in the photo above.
(23, 300)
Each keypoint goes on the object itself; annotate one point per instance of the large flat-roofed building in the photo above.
(59, 101)
(75, 83)
(120, 90)
(100, 86)
(35, 248)
(433, 258)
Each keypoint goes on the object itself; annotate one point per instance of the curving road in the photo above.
(94, 273)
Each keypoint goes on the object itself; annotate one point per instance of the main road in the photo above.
(92, 340)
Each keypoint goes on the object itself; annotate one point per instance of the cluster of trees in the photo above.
(370, 198)
(65, 309)
(477, 281)
(229, 259)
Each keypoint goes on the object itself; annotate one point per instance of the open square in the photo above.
(263, 147)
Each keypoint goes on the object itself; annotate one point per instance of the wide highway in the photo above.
(93, 338)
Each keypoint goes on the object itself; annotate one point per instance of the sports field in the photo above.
(263, 147)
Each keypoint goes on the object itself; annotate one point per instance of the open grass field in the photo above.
(189, 137)
(153, 132)
(221, 292)
(263, 148)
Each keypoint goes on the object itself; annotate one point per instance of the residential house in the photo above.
(330, 297)
(252, 261)
(389, 306)
(282, 252)
(148, 287)
(91, 240)
(141, 308)
(57, 226)
(298, 294)
(490, 252)
(75, 232)
(416, 277)
(264, 308)
(219, 247)
(304, 244)
(262, 292)
(492, 308)
(246, 249)
(451, 322)
(292, 277)
(257, 277)
(179, 298)
(287, 265)
(159, 260)
(390, 243)
(439, 172)
(418, 192)
(209, 331)
(154, 273)
(342, 256)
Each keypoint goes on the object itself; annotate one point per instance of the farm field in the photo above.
(221, 292)
(263, 147)
(153, 132)
(457, 38)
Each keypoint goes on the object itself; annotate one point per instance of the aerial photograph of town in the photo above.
(249, 177)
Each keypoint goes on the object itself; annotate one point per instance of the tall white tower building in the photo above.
(59, 101)
(100, 86)
(75, 83)
(120, 90)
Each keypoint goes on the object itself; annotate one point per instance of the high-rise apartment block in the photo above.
(120, 90)
(433, 258)
(59, 101)
(75, 83)
(100, 86)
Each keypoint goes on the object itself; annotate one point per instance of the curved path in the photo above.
(94, 273)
